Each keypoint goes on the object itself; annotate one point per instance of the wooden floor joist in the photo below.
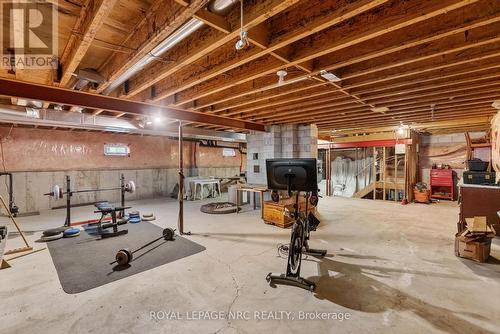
(405, 57)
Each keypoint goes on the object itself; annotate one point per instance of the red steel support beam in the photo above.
(31, 91)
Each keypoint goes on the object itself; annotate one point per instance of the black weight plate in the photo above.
(51, 237)
(168, 233)
(123, 257)
(54, 231)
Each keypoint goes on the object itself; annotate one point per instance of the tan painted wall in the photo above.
(51, 150)
(41, 158)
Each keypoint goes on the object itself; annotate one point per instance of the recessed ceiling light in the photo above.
(496, 104)
(381, 110)
(329, 76)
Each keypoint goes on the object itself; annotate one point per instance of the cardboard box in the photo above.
(477, 224)
(477, 250)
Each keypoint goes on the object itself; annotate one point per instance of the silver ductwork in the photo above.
(221, 7)
(72, 120)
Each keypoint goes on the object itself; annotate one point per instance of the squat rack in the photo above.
(124, 187)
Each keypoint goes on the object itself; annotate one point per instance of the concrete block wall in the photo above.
(29, 187)
(281, 141)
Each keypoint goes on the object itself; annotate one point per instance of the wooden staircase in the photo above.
(365, 191)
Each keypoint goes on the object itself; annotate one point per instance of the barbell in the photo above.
(124, 256)
(57, 191)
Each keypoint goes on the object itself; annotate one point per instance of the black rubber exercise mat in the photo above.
(83, 262)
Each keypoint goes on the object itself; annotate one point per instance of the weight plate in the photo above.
(122, 221)
(70, 232)
(130, 187)
(52, 237)
(147, 215)
(134, 213)
(219, 208)
(72, 235)
(56, 192)
(54, 231)
(168, 233)
(134, 220)
(123, 257)
(148, 219)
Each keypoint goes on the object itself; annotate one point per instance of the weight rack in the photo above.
(124, 187)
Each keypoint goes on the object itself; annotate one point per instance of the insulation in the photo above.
(350, 175)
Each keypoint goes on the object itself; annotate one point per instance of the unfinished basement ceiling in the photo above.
(426, 63)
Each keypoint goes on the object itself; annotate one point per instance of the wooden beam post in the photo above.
(92, 17)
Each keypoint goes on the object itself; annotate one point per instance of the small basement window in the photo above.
(119, 150)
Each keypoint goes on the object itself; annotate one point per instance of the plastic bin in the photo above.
(477, 165)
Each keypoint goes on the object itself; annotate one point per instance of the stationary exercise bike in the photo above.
(296, 175)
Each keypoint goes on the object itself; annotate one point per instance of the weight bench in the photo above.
(105, 209)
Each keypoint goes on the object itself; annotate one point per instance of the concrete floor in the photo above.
(392, 269)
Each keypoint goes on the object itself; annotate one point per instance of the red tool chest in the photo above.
(442, 184)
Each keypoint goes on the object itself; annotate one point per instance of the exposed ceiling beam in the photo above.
(320, 15)
(438, 65)
(361, 28)
(353, 111)
(422, 126)
(436, 58)
(14, 88)
(408, 120)
(325, 111)
(205, 41)
(92, 16)
(331, 101)
(315, 96)
(405, 115)
(146, 36)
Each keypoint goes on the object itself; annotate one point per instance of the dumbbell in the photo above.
(124, 256)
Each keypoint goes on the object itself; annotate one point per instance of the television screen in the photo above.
(300, 174)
